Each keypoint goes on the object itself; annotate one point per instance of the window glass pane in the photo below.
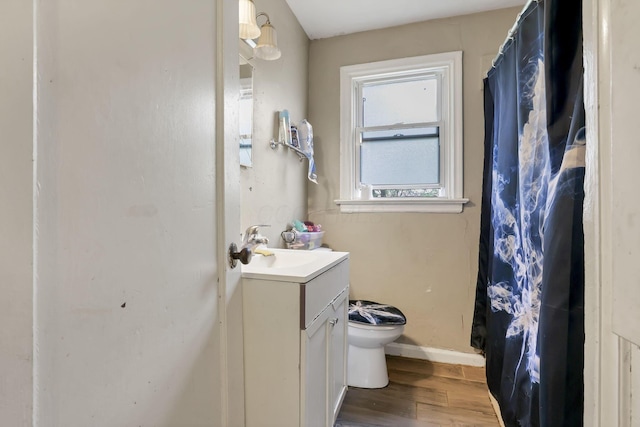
(390, 103)
(405, 192)
(400, 159)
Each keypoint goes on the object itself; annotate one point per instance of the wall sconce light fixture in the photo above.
(248, 23)
(267, 46)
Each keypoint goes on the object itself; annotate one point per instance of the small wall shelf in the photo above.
(274, 145)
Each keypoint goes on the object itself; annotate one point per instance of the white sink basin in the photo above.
(283, 259)
(290, 265)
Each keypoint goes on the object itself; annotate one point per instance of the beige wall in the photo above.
(274, 190)
(424, 264)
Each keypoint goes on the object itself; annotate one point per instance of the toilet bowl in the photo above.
(371, 327)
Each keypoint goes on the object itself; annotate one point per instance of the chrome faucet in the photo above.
(250, 241)
(252, 238)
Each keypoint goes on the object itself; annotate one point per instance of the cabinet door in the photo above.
(337, 327)
(315, 370)
(324, 364)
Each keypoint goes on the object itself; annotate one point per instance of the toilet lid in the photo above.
(373, 313)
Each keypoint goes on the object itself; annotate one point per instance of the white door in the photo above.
(228, 218)
(16, 212)
(117, 142)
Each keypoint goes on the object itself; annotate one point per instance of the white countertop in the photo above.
(288, 265)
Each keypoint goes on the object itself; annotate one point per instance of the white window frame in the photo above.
(449, 65)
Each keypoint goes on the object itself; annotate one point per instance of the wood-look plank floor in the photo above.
(421, 394)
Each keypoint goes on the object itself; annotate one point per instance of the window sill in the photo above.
(402, 205)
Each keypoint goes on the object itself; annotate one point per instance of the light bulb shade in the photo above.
(267, 47)
(247, 19)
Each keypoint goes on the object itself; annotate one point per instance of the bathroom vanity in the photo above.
(295, 337)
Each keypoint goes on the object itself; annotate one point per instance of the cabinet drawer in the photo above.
(316, 294)
(330, 311)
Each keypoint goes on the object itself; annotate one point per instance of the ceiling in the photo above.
(328, 18)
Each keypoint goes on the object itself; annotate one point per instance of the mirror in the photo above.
(246, 112)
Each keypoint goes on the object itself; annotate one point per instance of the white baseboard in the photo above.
(434, 354)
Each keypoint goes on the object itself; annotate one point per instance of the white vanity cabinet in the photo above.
(295, 344)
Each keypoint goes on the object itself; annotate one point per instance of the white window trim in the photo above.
(452, 202)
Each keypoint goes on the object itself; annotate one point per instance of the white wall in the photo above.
(126, 328)
(625, 75)
(274, 190)
(16, 218)
(611, 231)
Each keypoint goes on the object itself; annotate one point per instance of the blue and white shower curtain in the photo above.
(529, 310)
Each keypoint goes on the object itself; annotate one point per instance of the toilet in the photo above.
(371, 326)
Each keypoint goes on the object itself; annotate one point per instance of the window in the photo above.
(401, 135)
